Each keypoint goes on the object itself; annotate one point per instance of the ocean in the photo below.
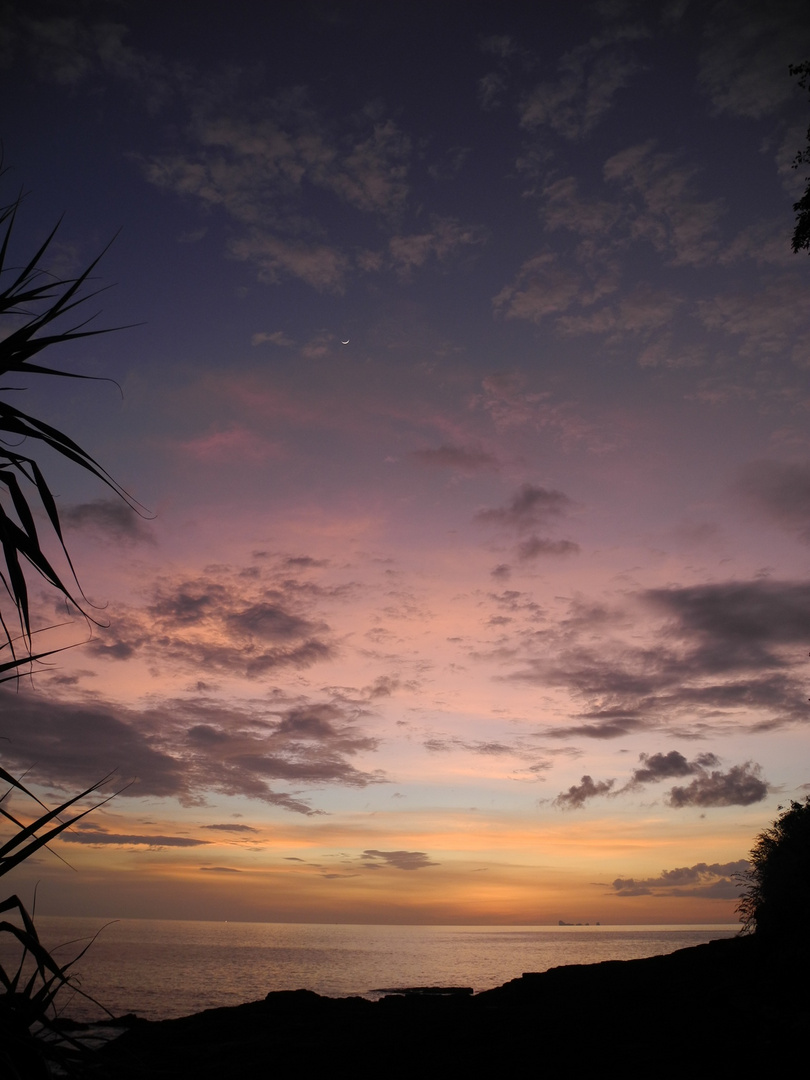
(161, 969)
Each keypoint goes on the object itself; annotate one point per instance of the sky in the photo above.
(460, 375)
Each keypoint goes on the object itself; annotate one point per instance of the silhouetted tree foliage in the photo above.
(801, 232)
(776, 901)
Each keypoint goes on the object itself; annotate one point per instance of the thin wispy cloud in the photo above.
(464, 459)
(235, 828)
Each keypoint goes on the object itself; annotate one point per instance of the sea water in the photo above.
(160, 969)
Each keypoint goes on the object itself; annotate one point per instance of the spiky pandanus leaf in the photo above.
(30, 838)
(34, 300)
(28, 989)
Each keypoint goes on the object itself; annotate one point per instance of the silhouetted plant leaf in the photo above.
(29, 293)
(26, 840)
(34, 299)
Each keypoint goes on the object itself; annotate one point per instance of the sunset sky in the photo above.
(465, 390)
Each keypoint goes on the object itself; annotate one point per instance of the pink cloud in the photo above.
(234, 444)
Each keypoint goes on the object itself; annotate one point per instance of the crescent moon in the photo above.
(346, 342)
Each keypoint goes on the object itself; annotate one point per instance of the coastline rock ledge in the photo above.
(720, 1010)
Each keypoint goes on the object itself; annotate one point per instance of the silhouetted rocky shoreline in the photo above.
(718, 1009)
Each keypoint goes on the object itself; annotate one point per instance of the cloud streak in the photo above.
(708, 880)
(721, 656)
(100, 837)
(459, 458)
(398, 860)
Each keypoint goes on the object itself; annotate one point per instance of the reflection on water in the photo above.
(160, 968)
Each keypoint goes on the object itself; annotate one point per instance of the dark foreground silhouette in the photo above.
(721, 1009)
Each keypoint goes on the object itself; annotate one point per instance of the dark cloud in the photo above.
(221, 869)
(780, 490)
(71, 745)
(269, 622)
(464, 459)
(608, 729)
(585, 85)
(109, 518)
(708, 880)
(121, 650)
(578, 794)
(528, 508)
(324, 724)
(205, 735)
(383, 686)
(309, 744)
(658, 767)
(536, 546)
(438, 746)
(231, 828)
(729, 653)
(531, 507)
(740, 786)
(514, 601)
(189, 602)
(738, 622)
(100, 836)
(302, 656)
(400, 860)
(491, 748)
(185, 747)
